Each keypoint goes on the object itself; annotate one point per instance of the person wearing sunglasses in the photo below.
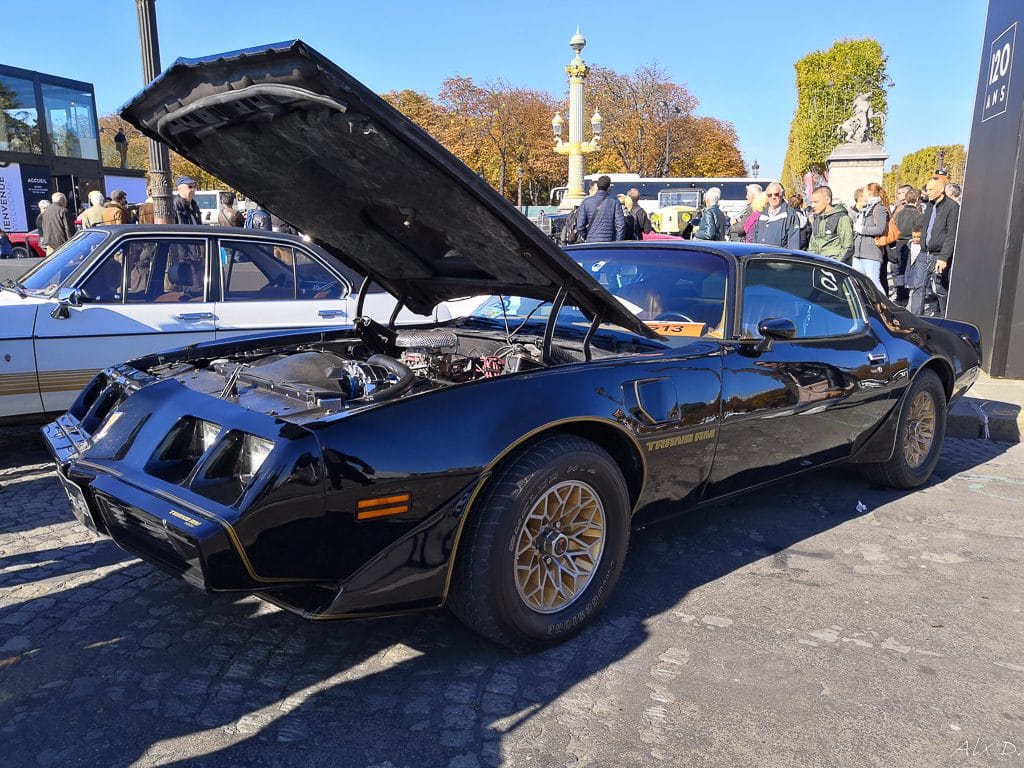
(778, 224)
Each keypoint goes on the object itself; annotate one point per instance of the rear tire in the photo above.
(919, 436)
(544, 546)
(19, 252)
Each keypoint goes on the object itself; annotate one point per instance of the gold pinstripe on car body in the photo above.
(31, 383)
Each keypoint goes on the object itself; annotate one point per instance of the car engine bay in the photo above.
(304, 382)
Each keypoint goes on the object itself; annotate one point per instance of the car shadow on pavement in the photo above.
(21, 445)
(133, 667)
(33, 500)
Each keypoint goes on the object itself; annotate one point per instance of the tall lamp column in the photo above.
(159, 162)
(576, 147)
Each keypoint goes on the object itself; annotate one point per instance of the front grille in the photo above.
(146, 536)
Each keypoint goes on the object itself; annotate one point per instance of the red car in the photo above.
(26, 244)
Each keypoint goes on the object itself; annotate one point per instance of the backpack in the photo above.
(570, 230)
(257, 219)
(632, 228)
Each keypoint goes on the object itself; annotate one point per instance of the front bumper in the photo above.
(278, 539)
(136, 520)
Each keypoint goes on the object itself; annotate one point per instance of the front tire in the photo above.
(919, 436)
(545, 545)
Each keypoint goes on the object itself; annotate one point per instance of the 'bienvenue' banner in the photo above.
(12, 199)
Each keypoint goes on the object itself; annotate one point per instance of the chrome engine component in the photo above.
(433, 338)
(430, 352)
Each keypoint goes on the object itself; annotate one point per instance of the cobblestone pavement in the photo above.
(821, 623)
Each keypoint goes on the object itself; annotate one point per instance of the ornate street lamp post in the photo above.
(669, 109)
(576, 147)
(159, 163)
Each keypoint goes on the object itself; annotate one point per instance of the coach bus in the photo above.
(734, 188)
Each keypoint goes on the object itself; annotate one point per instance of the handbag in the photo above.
(892, 234)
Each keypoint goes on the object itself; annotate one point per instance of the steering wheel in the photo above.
(673, 316)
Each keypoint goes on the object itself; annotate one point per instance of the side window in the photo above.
(315, 281)
(820, 301)
(106, 282)
(140, 258)
(145, 270)
(257, 271)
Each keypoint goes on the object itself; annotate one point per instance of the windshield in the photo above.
(50, 274)
(677, 292)
(207, 201)
(688, 197)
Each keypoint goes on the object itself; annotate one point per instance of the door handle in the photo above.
(325, 313)
(876, 358)
(195, 316)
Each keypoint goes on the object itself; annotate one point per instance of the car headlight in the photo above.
(207, 433)
(252, 452)
(182, 447)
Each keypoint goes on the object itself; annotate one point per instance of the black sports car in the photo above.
(492, 464)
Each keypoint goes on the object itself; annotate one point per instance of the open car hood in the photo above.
(285, 126)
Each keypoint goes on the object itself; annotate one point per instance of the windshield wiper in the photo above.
(13, 285)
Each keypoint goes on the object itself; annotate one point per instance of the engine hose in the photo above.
(400, 387)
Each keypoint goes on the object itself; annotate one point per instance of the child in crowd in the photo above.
(917, 272)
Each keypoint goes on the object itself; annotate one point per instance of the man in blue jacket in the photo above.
(600, 217)
(779, 224)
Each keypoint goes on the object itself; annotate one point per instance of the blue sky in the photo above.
(738, 63)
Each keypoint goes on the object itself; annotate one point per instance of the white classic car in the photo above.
(115, 293)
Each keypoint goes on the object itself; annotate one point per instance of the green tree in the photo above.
(916, 168)
(826, 84)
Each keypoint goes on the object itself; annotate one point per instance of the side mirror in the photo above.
(774, 329)
(66, 298)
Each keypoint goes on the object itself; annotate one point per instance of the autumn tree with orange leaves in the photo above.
(503, 132)
(138, 154)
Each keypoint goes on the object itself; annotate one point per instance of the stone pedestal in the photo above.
(854, 165)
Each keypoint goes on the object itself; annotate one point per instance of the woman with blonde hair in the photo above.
(756, 206)
(872, 221)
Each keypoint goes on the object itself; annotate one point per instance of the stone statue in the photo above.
(855, 129)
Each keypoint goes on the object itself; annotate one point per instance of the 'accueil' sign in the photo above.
(1000, 65)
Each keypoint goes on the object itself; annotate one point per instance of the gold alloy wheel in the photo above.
(559, 546)
(920, 431)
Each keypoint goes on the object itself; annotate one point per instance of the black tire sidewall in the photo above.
(19, 253)
(600, 473)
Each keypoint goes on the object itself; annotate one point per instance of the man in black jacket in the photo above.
(908, 219)
(186, 209)
(938, 223)
(643, 221)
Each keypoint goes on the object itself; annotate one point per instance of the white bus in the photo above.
(734, 188)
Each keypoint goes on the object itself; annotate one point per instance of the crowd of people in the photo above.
(57, 225)
(905, 247)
